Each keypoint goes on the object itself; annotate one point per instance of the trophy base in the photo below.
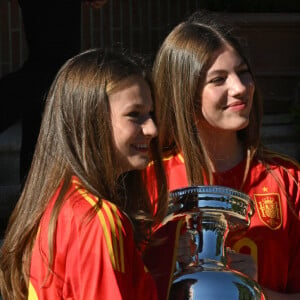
(215, 285)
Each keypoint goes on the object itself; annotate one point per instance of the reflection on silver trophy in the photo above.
(211, 212)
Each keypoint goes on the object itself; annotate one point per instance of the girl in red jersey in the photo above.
(210, 115)
(84, 213)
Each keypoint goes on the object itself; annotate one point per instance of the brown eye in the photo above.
(218, 80)
(133, 114)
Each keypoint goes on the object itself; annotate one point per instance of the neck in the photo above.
(223, 148)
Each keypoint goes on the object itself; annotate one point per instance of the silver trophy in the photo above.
(211, 212)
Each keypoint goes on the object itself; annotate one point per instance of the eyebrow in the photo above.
(138, 106)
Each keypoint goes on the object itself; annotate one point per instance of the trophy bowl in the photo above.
(210, 213)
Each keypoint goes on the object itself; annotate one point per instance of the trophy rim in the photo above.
(210, 199)
(211, 189)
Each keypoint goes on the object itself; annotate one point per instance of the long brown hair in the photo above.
(76, 139)
(179, 71)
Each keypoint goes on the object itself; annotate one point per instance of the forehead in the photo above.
(225, 57)
(134, 91)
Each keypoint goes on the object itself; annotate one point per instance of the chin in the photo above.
(241, 124)
(244, 125)
(139, 165)
(142, 164)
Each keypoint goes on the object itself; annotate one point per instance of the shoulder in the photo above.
(170, 161)
(170, 158)
(278, 168)
(175, 158)
(173, 164)
(281, 161)
(86, 206)
(81, 211)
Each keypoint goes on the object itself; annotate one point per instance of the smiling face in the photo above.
(132, 124)
(227, 94)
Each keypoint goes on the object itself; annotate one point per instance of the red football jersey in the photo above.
(273, 238)
(94, 257)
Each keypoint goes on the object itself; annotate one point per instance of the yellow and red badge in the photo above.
(269, 209)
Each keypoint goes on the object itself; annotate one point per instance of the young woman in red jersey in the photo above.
(84, 213)
(210, 116)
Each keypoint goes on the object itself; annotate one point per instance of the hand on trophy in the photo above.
(187, 243)
(186, 248)
(243, 263)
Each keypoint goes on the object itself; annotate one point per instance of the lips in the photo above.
(236, 105)
(141, 147)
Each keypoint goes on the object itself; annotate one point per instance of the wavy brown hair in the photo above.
(76, 139)
(179, 71)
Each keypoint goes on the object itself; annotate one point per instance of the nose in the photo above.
(150, 128)
(238, 86)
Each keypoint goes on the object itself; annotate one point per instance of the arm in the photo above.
(242, 262)
(246, 264)
(272, 295)
(108, 263)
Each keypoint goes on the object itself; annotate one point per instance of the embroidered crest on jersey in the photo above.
(269, 209)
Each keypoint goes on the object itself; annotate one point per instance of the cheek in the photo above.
(212, 100)
(118, 135)
(125, 134)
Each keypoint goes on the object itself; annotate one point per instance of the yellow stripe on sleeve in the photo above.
(114, 225)
(113, 233)
(32, 295)
(121, 242)
(180, 156)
